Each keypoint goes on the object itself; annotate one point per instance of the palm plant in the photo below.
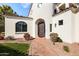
(5, 10)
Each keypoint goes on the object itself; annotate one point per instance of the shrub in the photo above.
(3, 33)
(1, 38)
(59, 39)
(53, 35)
(66, 48)
(10, 38)
(31, 38)
(27, 36)
(54, 38)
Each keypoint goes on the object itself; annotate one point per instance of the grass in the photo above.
(14, 49)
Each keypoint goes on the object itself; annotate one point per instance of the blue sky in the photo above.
(22, 9)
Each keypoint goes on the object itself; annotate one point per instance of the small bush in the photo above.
(10, 38)
(54, 38)
(1, 38)
(31, 38)
(27, 36)
(2, 34)
(66, 48)
(53, 35)
(59, 39)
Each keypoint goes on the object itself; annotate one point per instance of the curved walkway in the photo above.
(44, 47)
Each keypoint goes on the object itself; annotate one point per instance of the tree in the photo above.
(2, 24)
(1, 10)
(5, 10)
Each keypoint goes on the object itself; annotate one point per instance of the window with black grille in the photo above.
(21, 26)
(60, 22)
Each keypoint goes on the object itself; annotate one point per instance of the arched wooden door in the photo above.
(41, 29)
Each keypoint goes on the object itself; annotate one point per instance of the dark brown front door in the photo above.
(41, 29)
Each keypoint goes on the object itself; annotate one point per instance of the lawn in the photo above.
(14, 49)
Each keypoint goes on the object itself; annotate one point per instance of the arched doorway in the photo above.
(40, 26)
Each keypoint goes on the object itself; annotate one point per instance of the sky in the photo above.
(22, 9)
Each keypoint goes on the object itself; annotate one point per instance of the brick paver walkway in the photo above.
(44, 47)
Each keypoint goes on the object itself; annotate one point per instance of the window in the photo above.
(50, 27)
(55, 11)
(60, 22)
(21, 27)
(39, 5)
(55, 25)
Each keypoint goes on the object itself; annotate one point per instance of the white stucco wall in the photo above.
(65, 31)
(76, 27)
(68, 32)
(10, 26)
(45, 12)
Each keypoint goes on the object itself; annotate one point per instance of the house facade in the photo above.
(45, 18)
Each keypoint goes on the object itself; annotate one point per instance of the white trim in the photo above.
(20, 32)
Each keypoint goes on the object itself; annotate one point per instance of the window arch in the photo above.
(21, 26)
